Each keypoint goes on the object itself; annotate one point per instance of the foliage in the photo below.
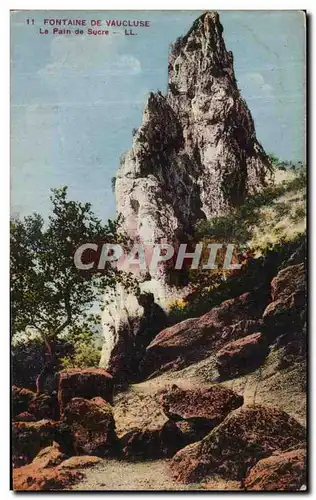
(27, 358)
(210, 287)
(237, 225)
(274, 160)
(85, 355)
(48, 293)
(284, 164)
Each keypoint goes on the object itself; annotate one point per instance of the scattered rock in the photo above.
(242, 356)
(92, 426)
(49, 456)
(140, 444)
(196, 338)
(21, 399)
(32, 477)
(246, 436)
(86, 383)
(282, 472)
(50, 471)
(45, 406)
(25, 416)
(80, 462)
(205, 407)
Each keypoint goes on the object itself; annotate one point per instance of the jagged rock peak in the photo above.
(204, 39)
(195, 154)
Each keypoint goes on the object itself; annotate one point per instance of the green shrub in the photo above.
(86, 355)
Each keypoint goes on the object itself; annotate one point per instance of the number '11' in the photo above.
(30, 21)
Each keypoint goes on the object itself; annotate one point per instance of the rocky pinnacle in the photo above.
(196, 153)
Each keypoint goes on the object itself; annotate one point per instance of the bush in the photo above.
(85, 356)
(237, 225)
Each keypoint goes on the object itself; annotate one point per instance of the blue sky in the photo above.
(76, 99)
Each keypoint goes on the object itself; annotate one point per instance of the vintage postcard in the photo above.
(158, 250)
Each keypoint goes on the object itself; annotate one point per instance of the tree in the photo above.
(48, 293)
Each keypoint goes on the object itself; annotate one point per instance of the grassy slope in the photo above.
(285, 217)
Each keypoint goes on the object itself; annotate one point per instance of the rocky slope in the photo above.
(224, 406)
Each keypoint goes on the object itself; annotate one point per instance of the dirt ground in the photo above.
(115, 475)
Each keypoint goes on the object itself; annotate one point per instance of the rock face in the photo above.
(194, 156)
(92, 426)
(281, 472)
(247, 435)
(86, 383)
(196, 152)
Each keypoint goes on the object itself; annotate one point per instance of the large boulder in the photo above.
(196, 338)
(92, 426)
(21, 399)
(32, 478)
(281, 472)
(246, 436)
(84, 383)
(141, 444)
(242, 355)
(45, 406)
(28, 438)
(288, 293)
(285, 318)
(204, 407)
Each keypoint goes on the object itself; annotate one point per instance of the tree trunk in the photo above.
(49, 366)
